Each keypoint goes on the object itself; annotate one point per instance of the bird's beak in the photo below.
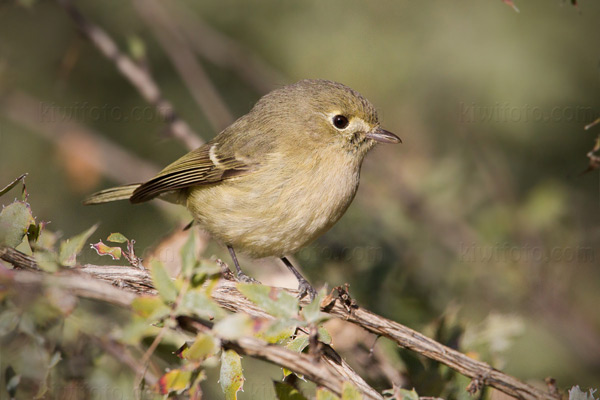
(383, 136)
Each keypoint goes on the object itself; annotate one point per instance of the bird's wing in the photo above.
(210, 163)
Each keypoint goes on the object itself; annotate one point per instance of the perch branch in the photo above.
(122, 289)
(134, 281)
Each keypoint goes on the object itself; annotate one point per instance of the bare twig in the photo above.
(225, 52)
(137, 75)
(174, 44)
(230, 298)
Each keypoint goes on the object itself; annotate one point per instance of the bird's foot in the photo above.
(242, 277)
(305, 288)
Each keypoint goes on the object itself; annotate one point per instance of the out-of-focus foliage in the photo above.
(478, 229)
(43, 327)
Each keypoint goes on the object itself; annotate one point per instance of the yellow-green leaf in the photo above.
(312, 312)
(324, 336)
(150, 307)
(71, 247)
(274, 301)
(199, 303)
(117, 238)
(204, 347)
(231, 377)
(298, 345)
(350, 392)
(283, 391)
(46, 260)
(324, 394)
(163, 283)
(188, 255)
(278, 330)
(15, 220)
(174, 381)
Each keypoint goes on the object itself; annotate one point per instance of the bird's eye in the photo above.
(340, 122)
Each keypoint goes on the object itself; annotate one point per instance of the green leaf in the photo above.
(312, 312)
(163, 283)
(174, 381)
(324, 336)
(150, 307)
(46, 260)
(104, 250)
(199, 303)
(298, 345)
(15, 220)
(204, 347)
(283, 391)
(324, 394)
(116, 238)
(188, 255)
(13, 184)
(279, 330)
(231, 377)
(274, 301)
(350, 392)
(69, 248)
(34, 232)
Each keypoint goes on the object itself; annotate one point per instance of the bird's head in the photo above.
(327, 113)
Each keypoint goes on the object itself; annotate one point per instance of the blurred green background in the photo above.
(480, 217)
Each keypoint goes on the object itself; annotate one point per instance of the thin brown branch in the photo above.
(167, 33)
(139, 77)
(225, 52)
(230, 298)
(330, 373)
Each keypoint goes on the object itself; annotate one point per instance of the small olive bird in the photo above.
(278, 177)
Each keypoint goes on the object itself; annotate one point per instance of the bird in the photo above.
(276, 178)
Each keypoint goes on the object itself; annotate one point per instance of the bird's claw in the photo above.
(242, 277)
(305, 288)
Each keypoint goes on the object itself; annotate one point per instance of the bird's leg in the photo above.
(240, 275)
(303, 286)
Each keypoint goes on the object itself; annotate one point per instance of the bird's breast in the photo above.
(281, 207)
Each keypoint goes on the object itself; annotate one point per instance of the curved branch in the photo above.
(225, 294)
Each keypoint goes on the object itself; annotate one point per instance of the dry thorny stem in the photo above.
(330, 372)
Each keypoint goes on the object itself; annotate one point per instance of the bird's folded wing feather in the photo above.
(210, 163)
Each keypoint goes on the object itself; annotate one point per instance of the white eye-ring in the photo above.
(340, 121)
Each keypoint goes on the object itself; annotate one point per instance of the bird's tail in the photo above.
(112, 194)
